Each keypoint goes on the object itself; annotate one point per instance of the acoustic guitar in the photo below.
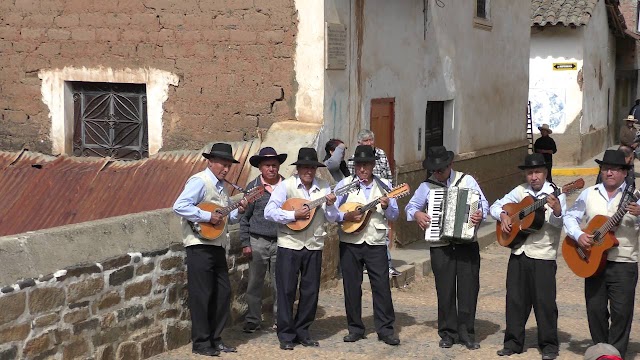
(294, 204)
(528, 216)
(587, 263)
(211, 232)
(350, 227)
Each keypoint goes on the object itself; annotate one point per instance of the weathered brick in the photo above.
(154, 303)
(48, 49)
(271, 37)
(108, 320)
(138, 289)
(39, 20)
(83, 34)
(167, 314)
(104, 34)
(82, 289)
(154, 253)
(128, 351)
(76, 316)
(177, 336)
(46, 320)
(82, 269)
(91, 324)
(116, 262)
(9, 354)
(139, 323)
(105, 353)
(110, 335)
(9, 33)
(67, 21)
(198, 21)
(128, 313)
(213, 5)
(215, 35)
(61, 335)
(12, 307)
(118, 277)
(188, 36)
(147, 21)
(106, 301)
(117, 20)
(171, 263)
(58, 34)
(170, 20)
(152, 346)
(32, 34)
(37, 345)
(15, 333)
(80, 304)
(136, 36)
(145, 269)
(45, 299)
(76, 349)
(165, 280)
(242, 36)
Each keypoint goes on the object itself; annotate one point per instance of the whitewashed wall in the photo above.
(556, 96)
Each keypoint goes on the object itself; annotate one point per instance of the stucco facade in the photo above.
(579, 104)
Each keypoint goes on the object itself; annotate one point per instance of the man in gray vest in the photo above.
(299, 254)
(258, 236)
(531, 273)
(455, 266)
(367, 247)
(207, 271)
(615, 286)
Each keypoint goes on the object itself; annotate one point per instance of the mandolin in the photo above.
(350, 227)
(528, 216)
(211, 232)
(294, 204)
(587, 263)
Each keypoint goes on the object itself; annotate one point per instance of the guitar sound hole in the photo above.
(521, 215)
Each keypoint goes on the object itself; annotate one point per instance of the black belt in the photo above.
(270, 238)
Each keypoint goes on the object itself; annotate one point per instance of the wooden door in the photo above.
(381, 122)
(382, 118)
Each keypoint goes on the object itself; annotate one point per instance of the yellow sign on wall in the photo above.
(565, 66)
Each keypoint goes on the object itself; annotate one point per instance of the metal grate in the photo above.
(110, 120)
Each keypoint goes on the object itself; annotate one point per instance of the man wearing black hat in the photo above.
(207, 271)
(367, 248)
(614, 287)
(531, 273)
(455, 266)
(299, 254)
(258, 236)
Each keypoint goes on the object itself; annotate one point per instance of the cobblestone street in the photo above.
(416, 321)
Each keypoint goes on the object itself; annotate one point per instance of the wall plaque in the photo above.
(335, 46)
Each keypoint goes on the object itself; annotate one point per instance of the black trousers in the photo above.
(293, 265)
(531, 283)
(209, 294)
(352, 259)
(456, 267)
(549, 177)
(615, 286)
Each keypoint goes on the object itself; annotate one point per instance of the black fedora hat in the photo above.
(266, 153)
(437, 158)
(533, 161)
(614, 158)
(221, 151)
(364, 153)
(308, 156)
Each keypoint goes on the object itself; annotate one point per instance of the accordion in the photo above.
(450, 210)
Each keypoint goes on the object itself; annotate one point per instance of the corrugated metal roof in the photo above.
(565, 12)
(39, 191)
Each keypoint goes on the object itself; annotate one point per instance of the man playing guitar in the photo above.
(614, 287)
(299, 254)
(207, 271)
(367, 248)
(531, 273)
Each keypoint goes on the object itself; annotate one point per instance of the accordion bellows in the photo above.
(450, 210)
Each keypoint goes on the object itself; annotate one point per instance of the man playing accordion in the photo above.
(454, 265)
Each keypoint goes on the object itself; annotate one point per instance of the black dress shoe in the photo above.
(308, 342)
(445, 343)
(206, 352)
(549, 356)
(286, 345)
(353, 337)
(389, 340)
(224, 348)
(505, 352)
(471, 345)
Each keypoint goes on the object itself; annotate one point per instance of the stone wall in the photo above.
(128, 307)
(234, 60)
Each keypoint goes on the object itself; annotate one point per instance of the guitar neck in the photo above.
(370, 205)
(228, 209)
(539, 203)
(617, 217)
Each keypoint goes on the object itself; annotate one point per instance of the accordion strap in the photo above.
(460, 179)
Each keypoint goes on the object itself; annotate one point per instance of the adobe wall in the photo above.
(234, 61)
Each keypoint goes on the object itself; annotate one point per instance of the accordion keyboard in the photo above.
(434, 210)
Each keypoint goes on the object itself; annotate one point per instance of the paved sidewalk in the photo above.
(416, 321)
